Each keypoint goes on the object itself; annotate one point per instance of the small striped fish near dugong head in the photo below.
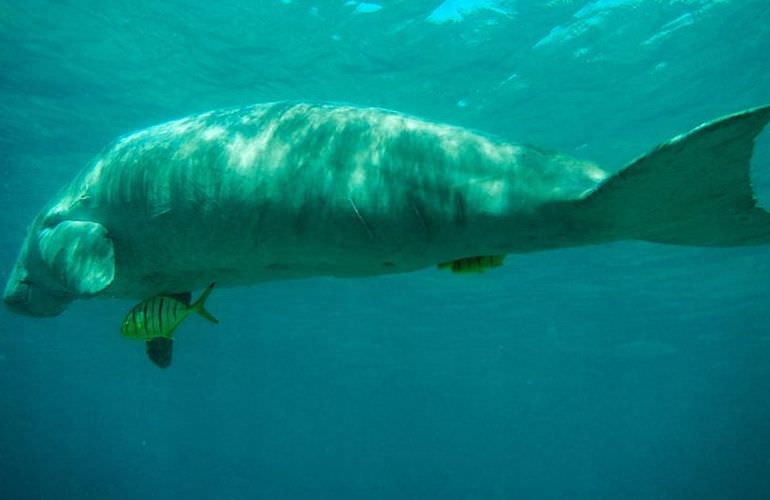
(155, 319)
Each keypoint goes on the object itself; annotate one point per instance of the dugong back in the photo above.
(290, 190)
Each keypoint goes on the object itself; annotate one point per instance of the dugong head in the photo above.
(58, 264)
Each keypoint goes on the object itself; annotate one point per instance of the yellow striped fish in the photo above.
(159, 316)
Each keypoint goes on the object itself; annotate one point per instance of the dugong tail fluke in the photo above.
(692, 190)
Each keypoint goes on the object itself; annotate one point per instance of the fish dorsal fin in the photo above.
(470, 265)
(184, 297)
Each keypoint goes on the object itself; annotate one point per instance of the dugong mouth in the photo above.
(23, 297)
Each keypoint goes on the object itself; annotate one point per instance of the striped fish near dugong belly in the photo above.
(287, 190)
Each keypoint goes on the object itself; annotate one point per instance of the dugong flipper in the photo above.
(288, 190)
(78, 260)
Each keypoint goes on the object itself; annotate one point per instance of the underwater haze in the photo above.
(626, 370)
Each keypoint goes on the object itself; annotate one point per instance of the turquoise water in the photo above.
(629, 370)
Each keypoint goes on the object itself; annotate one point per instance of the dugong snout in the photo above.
(25, 297)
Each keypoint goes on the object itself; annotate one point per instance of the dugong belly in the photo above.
(290, 190)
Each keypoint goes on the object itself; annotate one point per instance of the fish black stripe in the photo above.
(160, 315)
(167, 312)
(172, 310)
(145, 323)
(132, 322)
(155, 316)
(164, 311)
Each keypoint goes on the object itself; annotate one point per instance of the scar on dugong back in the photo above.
(287, 190)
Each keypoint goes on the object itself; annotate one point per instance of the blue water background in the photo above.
(629, 370)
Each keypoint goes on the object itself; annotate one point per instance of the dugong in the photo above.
(292, 190)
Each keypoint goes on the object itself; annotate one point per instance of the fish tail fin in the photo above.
(693, 190)
(199, 305)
